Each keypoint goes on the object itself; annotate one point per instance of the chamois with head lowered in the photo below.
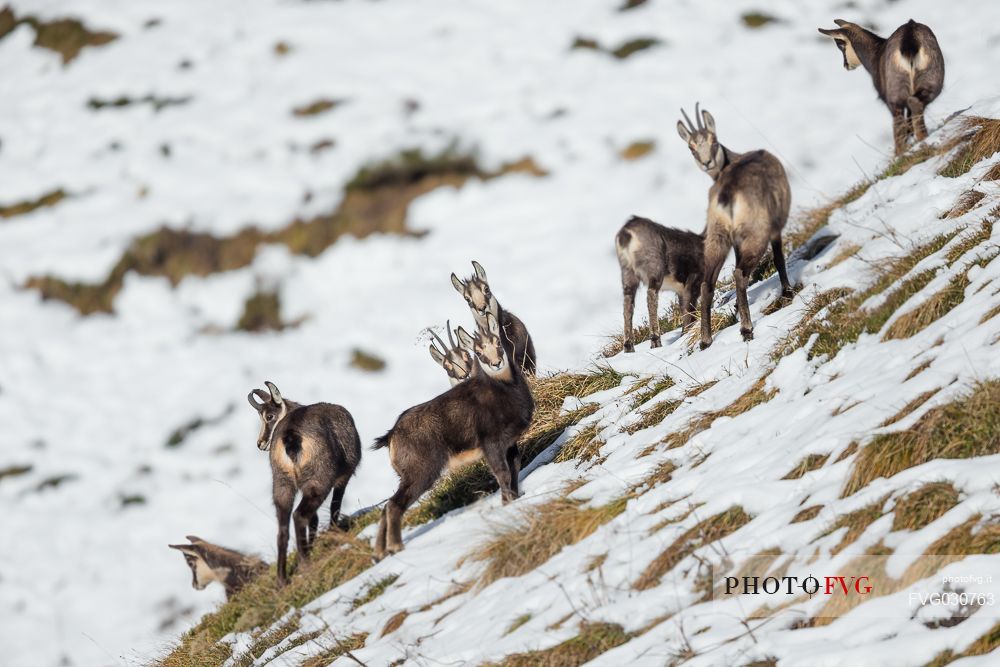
(456, 360)
(482, 416)
(907, 70)
(313, 449)
(516, 339)
(748, 207)
(210, 562)
(663, 259)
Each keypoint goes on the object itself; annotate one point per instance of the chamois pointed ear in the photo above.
(187, 549)
(257, 398)
(193, 539)
(683, 131)
(464, 339)
(436, 354)
(459, 285)
(275, 394)
(829, 32)
(480, 271)
(842, 23)
(708, 120)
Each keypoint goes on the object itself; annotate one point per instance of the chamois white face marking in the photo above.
(851, 59)
(489, 348)
(271, 409)
(703, 143)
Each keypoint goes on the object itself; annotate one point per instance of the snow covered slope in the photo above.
(128, 431)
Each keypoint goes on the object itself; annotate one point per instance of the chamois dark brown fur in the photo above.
(663, 259)
(210, 562)
(516, 339)
(482, 416)
(907, 70)
(748, 207)
(313, 449)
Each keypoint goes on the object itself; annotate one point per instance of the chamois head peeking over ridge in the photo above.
(457, 361)
(210, 562)
(703, 141)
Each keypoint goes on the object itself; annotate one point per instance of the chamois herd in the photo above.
(314, 450)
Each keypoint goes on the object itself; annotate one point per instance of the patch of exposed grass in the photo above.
(856, 523)
(583, 446)
(592, 640)
(967, 242)
(316, 107)
(807, 514)
(917, 370)
(475, 481)
(157, 104)
(375, 589)
(376, 202)
(931, 310)
(341, 647)
(722, 318)
(394, 623)
(15, 471)
(637, 149)
(967, 427)
(758, 19)
(924, 505)
(990, 314)
(671, 320)
(366, 361)
(262, 312)
(815, 219)
(620, 52)
(67, 37)
(807, 464)
(909, 408)
(709, 530)
(336, 557)
(844, 253)
(50, 198)
(516, 623)
(982, 140)
(541, 532)
(965, 203)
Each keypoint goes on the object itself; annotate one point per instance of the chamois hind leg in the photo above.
(900, 128)
(745, 264)
(715, 256)
(284, 497)
(313, 529)
(408, 491)
(514, 465)
(312, 498)
(653, 304)
(630, 283)
(336, 499)
(779, 263)
(496, 458)
(916, 107)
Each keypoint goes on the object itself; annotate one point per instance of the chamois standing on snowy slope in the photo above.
(662, 258)
(457, 361)
(516, 339)
(484, 415)
(313, 449)
(210, 562)
(907, 70)
(747, 208)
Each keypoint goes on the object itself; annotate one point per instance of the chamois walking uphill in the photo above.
(662, 258)
(907, 70)
(483, 416)
(210, 562)
(748, 207)
(456, 360)
(516, 339)
(313, 449)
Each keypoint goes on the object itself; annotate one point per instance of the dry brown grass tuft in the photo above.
(909, 408)
(583, 446)
(316, 107)
(592, 640)
(807, 514)
(340, 648)
(262, 312)
(924, 506)
(964, 428)
(931, 310)
(709, 530)
(67, 37)
(845, 252)
(965, 203)
(27, 206)
(987, 643)
(637, 149)
(808, 464)
(971, 537)
(541, 532)
(967, 242)
(982, 140)
(917, 370)
(856, 523)
(670, 320)
(722, 318)
(394, 623)
(990, 314)
(848, 451)
(815, 219)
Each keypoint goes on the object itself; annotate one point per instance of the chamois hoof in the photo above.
(747, 334)
(655, 342)
(705, 344)
(629, 347)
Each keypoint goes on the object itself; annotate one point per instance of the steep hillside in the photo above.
(196, 197)
(858, 435)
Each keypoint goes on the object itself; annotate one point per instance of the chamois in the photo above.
(662, 258)
(210, 562)
(313, 449)
(516, 339)
(456, 361)
(485, 415)
(907, 70)
(747, 209)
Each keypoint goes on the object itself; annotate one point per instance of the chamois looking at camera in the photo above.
(748, 207)
(210, 562)
(664, 259)
(516, 339)
(457, 361)
(483, 416)
(313, 449)
(907, 70)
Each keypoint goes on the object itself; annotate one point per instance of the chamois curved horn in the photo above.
(262, 395)
(697, 115)
(688, 120)
(444, 348)
(275, 394)
(451, 341)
